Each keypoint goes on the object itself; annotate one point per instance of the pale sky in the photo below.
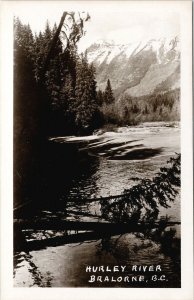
(121, 21)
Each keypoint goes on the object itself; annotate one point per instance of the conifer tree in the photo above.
(39, 55)
(100, 97)
(67, 89)
(85, 96)
(108, 94)
(28, 131)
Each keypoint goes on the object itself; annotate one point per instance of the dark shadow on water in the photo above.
(111, 153)
(59, 168)
(143, 153)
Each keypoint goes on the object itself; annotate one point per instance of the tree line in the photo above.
(158, 106)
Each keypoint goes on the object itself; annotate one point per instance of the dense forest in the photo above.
(159, 106)
(67, 88)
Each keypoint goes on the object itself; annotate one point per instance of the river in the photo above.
(106, 164)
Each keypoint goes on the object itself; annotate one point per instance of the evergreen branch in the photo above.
(142, 201)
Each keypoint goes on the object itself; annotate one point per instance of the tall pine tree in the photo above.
(100, 97)
(108, 94)
(86, 99)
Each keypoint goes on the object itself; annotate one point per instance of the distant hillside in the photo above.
(155, 107)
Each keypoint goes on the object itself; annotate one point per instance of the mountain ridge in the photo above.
(138, 68)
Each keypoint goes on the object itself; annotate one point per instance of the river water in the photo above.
(108, 163)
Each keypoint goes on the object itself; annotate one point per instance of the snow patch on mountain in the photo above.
(137, 68)
(105, 51)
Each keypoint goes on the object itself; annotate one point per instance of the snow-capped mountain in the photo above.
(139, 68)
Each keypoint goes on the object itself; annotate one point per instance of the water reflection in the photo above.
(93, 173)
(28, 273)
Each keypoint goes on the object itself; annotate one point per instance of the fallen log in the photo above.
(56, 224)
(93, 231)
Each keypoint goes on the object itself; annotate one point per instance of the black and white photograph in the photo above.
(98, 122)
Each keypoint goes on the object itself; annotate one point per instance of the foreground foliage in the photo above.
(142, 201)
